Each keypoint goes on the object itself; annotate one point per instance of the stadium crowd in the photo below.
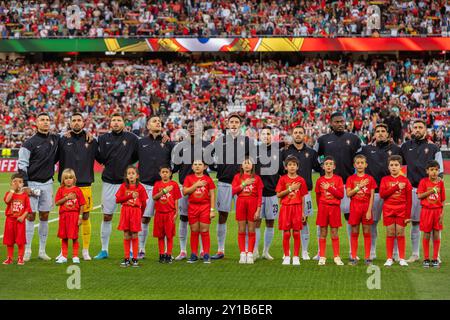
(270, 92)
(26, 18)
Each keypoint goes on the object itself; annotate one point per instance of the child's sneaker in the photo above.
(162, 258)
(435, 263)
(206, 258)
(368, 262)
(193, 258)
(76, 260)
(426, 263)
(403, 263)
(338, 261)
(169, 258)
(20, 261)
(243, 258)
(9, 260)
(250, 258)
(286, 261)
(61, 259)
(295, 261)
(125, 263)
(389, 263)
(322, 261)
(134, 263)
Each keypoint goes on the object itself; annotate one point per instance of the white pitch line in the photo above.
(53, 220)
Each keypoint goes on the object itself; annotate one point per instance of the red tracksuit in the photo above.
(396, 209)
(359, 205)
(199, 210)
(329, 209)
(248, 200)
(291, 212)
(131, 214)
(14, 232)
(432, 210)
(164, 220)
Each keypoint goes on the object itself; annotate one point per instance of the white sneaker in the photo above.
(61, 260)
(338, 261)
(305, 255)
(86, 256)
(255, 254)
(250, 258)
(286, 261)
(412, 259)
(316, 257)
(295, 261)
(243, 258)
(403, 263)
(27, 255)
(389, 263)
(76, 260)
(267, 256)
(322, 261)
(44, 256)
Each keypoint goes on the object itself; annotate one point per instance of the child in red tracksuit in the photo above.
(133, 197)
(17, 209)
(71, 203)
(329, 192)
(166, 193)
(431, 192)
(361, 190)
(200, 189)
(395, 190)
(291, 188)
(248, 187)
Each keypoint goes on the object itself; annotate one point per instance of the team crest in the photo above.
(306, 155)
(426, 150)
(51, 142)
(347, 141)
(86, 145)
(389, 152)
(124, 142)
(162, 145)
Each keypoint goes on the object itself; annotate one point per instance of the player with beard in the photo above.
(416, 153)
(79, 155)
(377, 155)
(308, 159)
(342, 146)
(116, 151)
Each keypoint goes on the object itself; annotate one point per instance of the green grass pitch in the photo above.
(223, 279)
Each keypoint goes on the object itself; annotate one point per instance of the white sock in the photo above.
(143, 236)
(305, 238)
(182, 231)
(221, 234)
(268, 237)
(43, 234)
(105, 231)
(257, 238)
(374, 231)
(415, 239)
(29, 226)
(349, 233)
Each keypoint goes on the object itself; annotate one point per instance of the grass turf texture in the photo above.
(222, 279)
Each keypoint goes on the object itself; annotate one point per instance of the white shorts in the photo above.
(183, 203)
(43, 202)
(308, 209)
(269, 208)
(224, 197)
(416, 207)
(109, 191)
(150, 208)
(377, 207)
(345, 202)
